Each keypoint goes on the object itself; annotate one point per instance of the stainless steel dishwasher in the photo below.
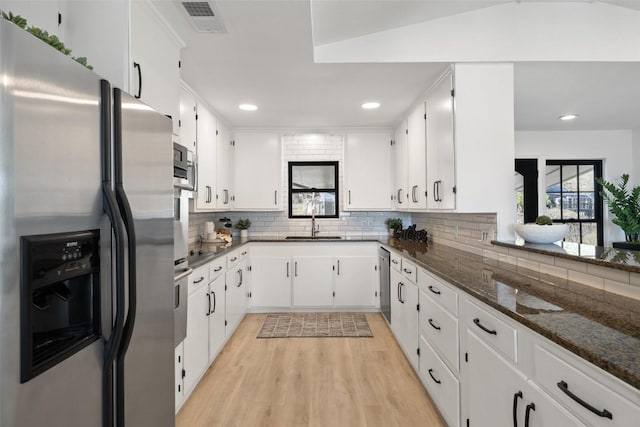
(385, 291)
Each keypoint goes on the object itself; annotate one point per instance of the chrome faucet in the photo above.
(314, 229)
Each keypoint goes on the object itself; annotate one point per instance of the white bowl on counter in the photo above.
(535, 233)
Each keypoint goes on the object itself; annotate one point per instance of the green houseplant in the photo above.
(624, 204)
(243, 225)
(393, 224)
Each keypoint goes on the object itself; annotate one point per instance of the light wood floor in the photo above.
(309, 382)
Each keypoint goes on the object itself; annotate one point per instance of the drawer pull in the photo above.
(407, 271)
(199, 280)
(479, 325)
(437, 328)
(217, 269)
(562, 385)
(530, 407)
(516, 396)
(434, 290)
(244, 253)
(234, 258)
(394, 261)
(435, 380)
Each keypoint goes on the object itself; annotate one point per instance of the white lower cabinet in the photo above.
(443, 385)
(404, 315)
(217, 302)
(499, 395)
(355, 281)
(235, 298)
(312, 281)
(196, 344)
(271, 281)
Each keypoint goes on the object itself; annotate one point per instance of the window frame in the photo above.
(598, 213)
(335, 189)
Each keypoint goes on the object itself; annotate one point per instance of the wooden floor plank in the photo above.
(313, 382)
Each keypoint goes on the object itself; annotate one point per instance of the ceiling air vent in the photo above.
(204, 17)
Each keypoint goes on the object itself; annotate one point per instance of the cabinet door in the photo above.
(224, 163)
(440, 146)
(155, 72)
(312, 281)
(206, 161)
(188, 119)
(38, 13)
(217, 332)
(355, 282)
(235, 298)
(271, 279)
(497, 392)
(178, 369)
(417, 159)
(400, 168)
(257, 171)
(396, 303)
(367, 171)
(196, 344)
(409, 325)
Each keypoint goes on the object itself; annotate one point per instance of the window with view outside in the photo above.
(573, 197)
(313, 189)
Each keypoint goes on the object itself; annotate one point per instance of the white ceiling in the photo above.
(266, 58)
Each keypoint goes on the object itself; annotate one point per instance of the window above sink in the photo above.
(313, 189)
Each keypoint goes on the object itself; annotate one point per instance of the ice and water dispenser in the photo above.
(60, 298)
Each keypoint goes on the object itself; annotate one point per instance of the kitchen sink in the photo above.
(313, 238)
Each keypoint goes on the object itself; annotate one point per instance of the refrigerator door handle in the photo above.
(127, 216)
(110, 204)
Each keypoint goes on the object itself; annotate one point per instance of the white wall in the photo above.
(635, 156)
(613, 147)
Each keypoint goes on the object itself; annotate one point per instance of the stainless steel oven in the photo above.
(180, 263)
(184, 168)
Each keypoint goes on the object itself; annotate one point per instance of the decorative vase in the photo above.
(534, 233)
(244, 234)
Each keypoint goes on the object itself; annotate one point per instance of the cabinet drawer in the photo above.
(244, 253)
(490, 329)
(440, 329)
(396, 261)
(216, 268)
(199, 278)
(409, 270)
(232, 259)
(438, 291)
(555, 375)
(442, 385)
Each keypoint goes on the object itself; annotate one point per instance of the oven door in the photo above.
(180, 161)
(180, 224)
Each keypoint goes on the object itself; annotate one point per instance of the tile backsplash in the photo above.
(470, 232)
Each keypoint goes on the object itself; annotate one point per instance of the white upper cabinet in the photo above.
(257, 171)
(155, 58)
(367, 171)
(440, 146)
(206, 142)
(400, 176)
(417, 159)
(38, 13)
(224, 164)
(188, 119)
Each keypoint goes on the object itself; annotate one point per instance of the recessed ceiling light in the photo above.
(567, 117)
(247, 107)
(370, 105)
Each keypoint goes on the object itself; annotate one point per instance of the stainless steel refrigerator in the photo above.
(86, 240)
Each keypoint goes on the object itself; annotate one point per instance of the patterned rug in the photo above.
(296, 325)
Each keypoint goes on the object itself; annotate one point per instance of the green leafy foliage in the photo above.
(393, 223)
(624, 204)
(544, 220)
(43, 35)
(243, 224)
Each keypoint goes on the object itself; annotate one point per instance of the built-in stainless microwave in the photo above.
(184, 168)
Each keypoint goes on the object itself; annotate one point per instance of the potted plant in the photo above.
(542, 231)
(624, 204)
(243, 225)
(393, 224)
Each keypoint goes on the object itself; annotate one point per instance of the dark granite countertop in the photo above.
(599, 326)
(620, 259)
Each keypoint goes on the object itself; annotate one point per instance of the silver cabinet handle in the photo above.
(240, 274)
(435, 185)
(413, 194)
(399, 197)
(226, 196)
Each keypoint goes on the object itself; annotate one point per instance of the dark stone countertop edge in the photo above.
(554, 252)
